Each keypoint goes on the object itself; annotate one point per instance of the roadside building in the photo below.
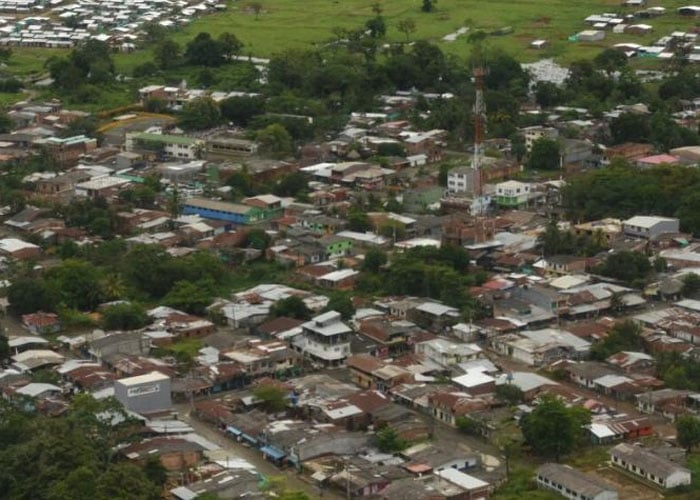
(649, 227)
(573, 484)
(648, 466)
(144, 393)
(325, 339)
(164, 145)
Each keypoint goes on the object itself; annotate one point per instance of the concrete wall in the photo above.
(155, 396)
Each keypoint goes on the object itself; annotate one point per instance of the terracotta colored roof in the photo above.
(40, 319)
(277, 325)
(369, 401)
(214, 409)
(588, 330)
(418, 468)
(364, 363)
(316, 271)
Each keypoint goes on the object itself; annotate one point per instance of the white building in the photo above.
(513, 193)
(648, 226)
(144, 393)
(649, 466)
(573, 484)
(325, 339)
(446, 353)
(460, 180)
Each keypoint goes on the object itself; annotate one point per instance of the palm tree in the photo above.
(113, 286)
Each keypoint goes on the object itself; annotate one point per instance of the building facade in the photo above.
(144, 393)
(325, 339)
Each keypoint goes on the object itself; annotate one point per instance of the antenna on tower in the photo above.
(479, 201)
(479, 125)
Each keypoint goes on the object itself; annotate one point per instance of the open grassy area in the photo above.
(283, 24)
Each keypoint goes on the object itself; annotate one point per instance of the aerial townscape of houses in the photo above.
(412, 363)
(412, 366)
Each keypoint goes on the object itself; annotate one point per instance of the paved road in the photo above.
(253, 456)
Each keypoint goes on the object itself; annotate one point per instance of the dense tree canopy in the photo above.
(71, 456)
(200, 114)
(623, 336)
(688, 431)
(630, 267)
(291, 307)
(553, 429)
(545, 154)
(622, 191)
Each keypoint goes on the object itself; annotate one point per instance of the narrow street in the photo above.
(292, 480)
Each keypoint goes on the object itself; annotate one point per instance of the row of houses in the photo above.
(119, 23)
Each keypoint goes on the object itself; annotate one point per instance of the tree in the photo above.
(203, 50)
(358, 220)
(6, 124)
(388, 440)
(341, 303)
(630, 267)
(552, 429)
(545, 155)
(78, 283)
(443, 174)
(291, 184)
(610, 60)
(257, 238)
(5, 350)
(126, 480)
(193, 298)
(374, 260)
(428, 5)
(510, 394)
(688, 431)
(548, 94)
(630, 127)
(155, 105)
(205, 78)
(125, 316)
(623, 336)
(155, 471)
(241, 110)
(376, 27)
(256, 8)
(275, 139)
(691, 284)
(200, 114)
(407, 27)
(230, 44)
(28, 295)
(167, 54)
(144, 70)
(468, 426)
(291, 307)
(272, 398)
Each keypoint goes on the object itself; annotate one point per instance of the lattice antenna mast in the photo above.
(479, 128)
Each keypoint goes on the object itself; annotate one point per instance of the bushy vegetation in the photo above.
(72, 455)
(623, 191)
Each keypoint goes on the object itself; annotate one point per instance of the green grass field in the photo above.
(287, 24)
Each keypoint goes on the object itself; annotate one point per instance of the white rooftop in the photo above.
(461, 479)
(154, 376)
(647, 221)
